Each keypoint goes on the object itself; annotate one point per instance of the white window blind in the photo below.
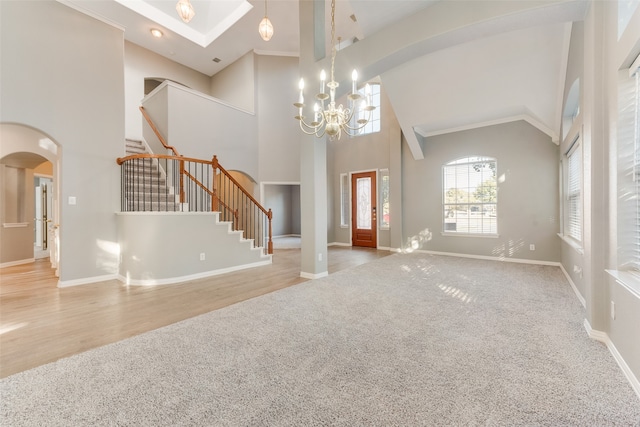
(574, 192)
(470, 196)
(629, 172)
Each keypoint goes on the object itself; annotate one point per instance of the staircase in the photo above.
(146, 188)
(171, 182)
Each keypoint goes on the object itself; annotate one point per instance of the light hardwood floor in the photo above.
(40, 323)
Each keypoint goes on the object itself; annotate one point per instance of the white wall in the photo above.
(141, 63)
(63, 74)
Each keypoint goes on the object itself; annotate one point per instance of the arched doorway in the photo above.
(28, 156)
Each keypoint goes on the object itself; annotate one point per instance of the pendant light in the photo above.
(265, 28)
(185, 10)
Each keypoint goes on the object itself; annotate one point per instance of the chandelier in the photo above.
(185, 10)
(329, 119)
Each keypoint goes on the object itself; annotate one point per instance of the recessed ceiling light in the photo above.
(156, 33)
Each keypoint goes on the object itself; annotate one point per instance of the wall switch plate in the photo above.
(320, 256)
(72, 200)
(613, 310)
(532, 247)
(202, 256)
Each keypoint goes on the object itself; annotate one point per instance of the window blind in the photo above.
(470, 196)
(629, 172)
(574, 191)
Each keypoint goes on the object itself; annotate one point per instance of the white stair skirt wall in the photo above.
(169, 247)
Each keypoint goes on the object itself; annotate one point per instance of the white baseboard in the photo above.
(490, 258)
(313, 276)
(180, 279)
(575, 288)
(285, 235)
(86, 281)
(604, 338)
(19, 262)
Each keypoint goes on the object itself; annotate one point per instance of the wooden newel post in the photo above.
(270, 244)
(214, 198)
(181, 181)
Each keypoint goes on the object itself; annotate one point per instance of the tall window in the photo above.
(470, 196)
(629, 170)
(373, 98)
(383, 187)
(573, 192)
(344, 200)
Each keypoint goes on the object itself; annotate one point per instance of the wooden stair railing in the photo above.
(157, 132)
(204, 186)
(198, 189)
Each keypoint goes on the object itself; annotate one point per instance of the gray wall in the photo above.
(16, 243)
(62, 73)
(200, 126)
(279, 135)
(184, 237)
(570, 257)
(141, 63)
(362, 153)
(527, 192)
(16, 214)
(235, 84)
(284, 201)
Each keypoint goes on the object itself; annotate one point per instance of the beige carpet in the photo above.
(407, 340)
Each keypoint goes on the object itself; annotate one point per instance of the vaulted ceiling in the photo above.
(446, 65)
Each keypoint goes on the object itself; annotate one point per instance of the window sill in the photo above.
(450, 234)
(627, 280)
(569, 241)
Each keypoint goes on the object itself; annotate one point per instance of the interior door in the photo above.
(363, 205)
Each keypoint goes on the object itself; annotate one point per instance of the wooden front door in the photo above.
(363, 205)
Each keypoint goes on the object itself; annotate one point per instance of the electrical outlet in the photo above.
(532, 247)
(613, 310)
(202, 256)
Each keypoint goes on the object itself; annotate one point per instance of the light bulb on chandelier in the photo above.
(329, 119)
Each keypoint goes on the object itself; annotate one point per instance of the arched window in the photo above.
(470, 196)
